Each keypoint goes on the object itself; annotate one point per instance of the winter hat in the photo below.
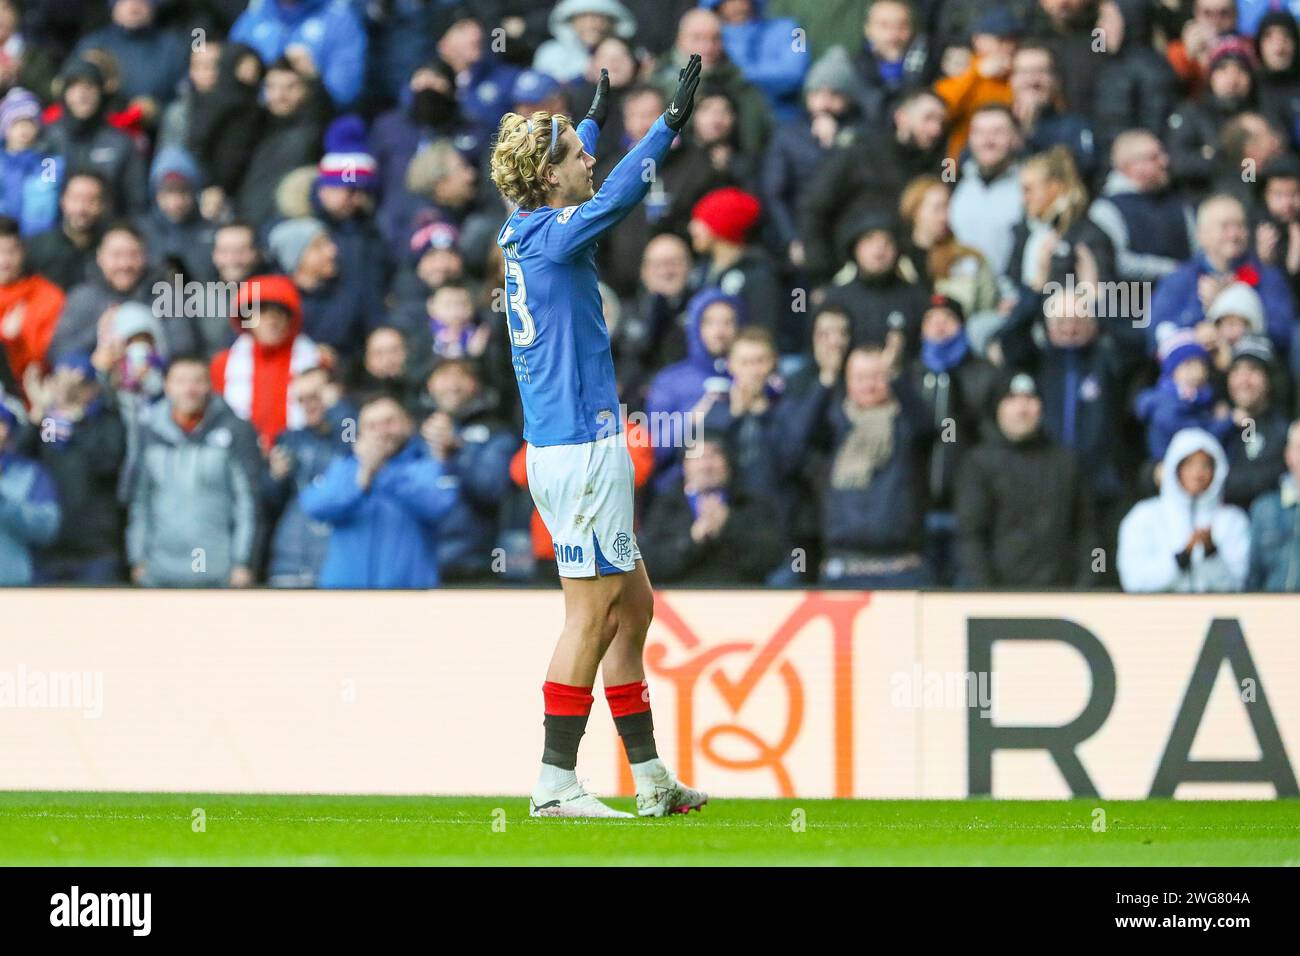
(1256, 348)
(1012, 383)
(79, 362)
(533, 86)
(997, 22)
(290, 239)
(268, 290)
(1177, 347)
(1233, 48)
(941, 301)
(730, 213)
(18, 104)
(834, 71)
(1239, 299)
(80, 69)
(173, 164)
(873, 219)
(346, 161)
(435, 235)
(1285, 166)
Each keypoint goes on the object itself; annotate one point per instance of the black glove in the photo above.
(600, 102)
(679, 110)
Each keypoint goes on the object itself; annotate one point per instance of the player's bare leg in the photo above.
(590, 624)
(658, 792)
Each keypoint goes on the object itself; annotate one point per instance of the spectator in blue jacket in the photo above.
(483, 83)
(29, 176)
(384, 503)
(1275, 528)
(874, 433)
(29, 513)
(322, 37)
(175, 233)
(1183, 398)
(474, 448)
(151, 59)
(1183, 297)
(766, 50)
(713, 320)
(298, 458)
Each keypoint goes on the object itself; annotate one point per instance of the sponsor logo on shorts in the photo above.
(568, 553)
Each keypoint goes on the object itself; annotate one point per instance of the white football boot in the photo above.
(572, 801)
(659, 793)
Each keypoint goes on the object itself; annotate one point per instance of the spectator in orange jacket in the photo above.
(643, 462)
(29, 306)
(986, 78)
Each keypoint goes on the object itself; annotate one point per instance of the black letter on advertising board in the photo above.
(1060, 741)
(1224, 642)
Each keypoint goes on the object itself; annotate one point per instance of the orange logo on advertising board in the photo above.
(696, 664)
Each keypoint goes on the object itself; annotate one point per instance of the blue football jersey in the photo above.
(558, 339)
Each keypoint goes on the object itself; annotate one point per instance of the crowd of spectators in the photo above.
(975, 293)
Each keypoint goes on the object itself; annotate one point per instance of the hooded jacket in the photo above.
(254, 378)
(677, 388)
(187, 242)
(385, 536)
(565, 56)
(225, 122)
(193, 507)
(1279, 90)
(1153, 535)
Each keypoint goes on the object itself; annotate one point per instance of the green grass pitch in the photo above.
(160, 829)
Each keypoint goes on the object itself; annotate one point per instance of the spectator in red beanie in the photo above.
(720, 227)
(253, 375)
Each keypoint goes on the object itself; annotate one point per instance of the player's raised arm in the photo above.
(589, 128)
(538, 162)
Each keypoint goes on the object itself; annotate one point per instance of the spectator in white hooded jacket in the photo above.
(1186, 539)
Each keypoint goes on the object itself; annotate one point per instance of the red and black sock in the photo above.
(567, 709)
(630, 705)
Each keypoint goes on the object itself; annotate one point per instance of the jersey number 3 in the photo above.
(517, 306)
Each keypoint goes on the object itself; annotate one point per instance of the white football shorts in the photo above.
(585, 495)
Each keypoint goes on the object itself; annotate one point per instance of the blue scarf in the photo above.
(946, 355)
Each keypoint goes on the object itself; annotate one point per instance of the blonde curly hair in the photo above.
(521, 155)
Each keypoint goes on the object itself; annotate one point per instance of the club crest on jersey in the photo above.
(566, 214)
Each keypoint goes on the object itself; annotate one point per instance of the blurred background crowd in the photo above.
(974, 293)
